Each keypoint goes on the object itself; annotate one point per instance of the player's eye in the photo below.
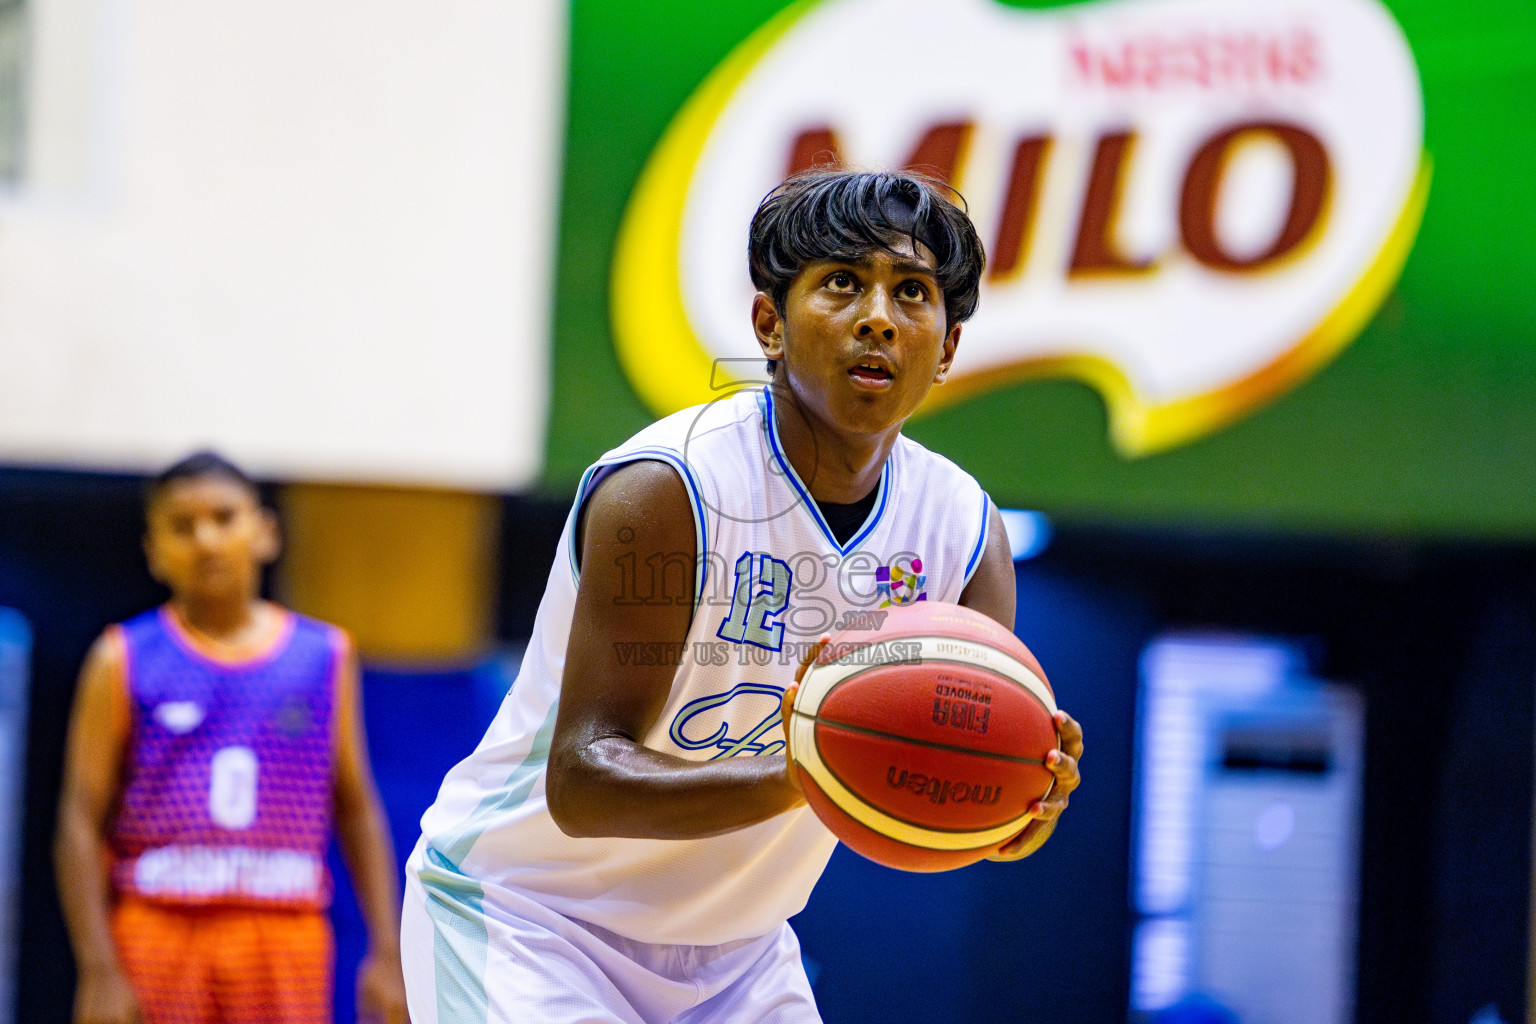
(841, 281)
(913, 290)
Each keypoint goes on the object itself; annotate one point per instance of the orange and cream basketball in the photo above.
(922, 744)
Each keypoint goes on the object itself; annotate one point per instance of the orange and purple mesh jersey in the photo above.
(227, 785)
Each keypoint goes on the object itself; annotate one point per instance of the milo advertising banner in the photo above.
(1245, 263)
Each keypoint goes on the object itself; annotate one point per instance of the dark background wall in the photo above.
(1441, 638)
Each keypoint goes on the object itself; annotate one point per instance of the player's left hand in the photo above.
(1063, 764)
(381, 990)
(787, 704)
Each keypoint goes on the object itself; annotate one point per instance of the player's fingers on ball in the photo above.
(1064, 767)
(810, 656)
(787, 702)
(1048, 809)
(1010, 850)
(1070, 732)
(786, 717)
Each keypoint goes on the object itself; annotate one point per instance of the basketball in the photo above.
(919, 736)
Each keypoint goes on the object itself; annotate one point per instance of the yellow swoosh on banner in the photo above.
(657, 348)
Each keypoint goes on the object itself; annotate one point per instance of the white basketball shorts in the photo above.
(471, 960)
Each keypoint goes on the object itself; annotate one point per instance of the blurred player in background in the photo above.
(214, 744)
(628, 841)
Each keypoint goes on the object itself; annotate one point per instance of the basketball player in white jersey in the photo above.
(627, 842)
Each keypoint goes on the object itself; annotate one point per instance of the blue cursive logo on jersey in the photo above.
(691, 728)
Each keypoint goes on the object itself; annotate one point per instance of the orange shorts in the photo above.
(226, 965)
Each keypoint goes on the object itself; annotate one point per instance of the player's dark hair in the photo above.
(197, 466)
(845, 215)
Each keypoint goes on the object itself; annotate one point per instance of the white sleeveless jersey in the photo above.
(770, 580)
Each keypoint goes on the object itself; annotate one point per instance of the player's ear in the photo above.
(951, 343)
(768, 325)
(269, 536)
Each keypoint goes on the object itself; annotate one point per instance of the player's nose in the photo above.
(205, 533)
(875, 318)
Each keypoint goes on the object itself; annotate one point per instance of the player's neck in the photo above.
(234, 622)
(834, 466)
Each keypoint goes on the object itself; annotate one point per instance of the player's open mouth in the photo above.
(870, 374)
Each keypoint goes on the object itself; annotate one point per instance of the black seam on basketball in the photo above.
(850, 677)
(1005, 679)
(930, 744)
(1001, 677)
(830, 770)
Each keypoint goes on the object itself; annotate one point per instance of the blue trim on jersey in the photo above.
(805, 494)
(696, 502)
(981, 542)
(571, 519)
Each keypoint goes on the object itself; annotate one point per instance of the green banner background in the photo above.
(1425, 425)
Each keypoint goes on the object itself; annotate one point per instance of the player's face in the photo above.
(861, 341)
(208, 539)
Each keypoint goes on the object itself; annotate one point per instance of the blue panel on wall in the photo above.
(420, 724)
(15, 674)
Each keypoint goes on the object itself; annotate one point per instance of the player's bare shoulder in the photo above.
(106, 662)
(637, 506)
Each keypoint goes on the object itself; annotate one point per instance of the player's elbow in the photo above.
(568, 794)
(590, 787)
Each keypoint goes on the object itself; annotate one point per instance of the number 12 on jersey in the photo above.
(758, 598)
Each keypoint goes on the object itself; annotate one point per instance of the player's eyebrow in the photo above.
(901, 266)
(914, 267)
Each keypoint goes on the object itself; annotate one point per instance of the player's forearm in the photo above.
(363, 835)
(614, 787)
(84, 890)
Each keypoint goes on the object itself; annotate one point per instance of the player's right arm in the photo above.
(93, 758)
(601, 780)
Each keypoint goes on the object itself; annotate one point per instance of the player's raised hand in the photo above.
(104, 997)
(1063, 764)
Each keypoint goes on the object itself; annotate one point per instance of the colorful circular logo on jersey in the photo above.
(1191, 205)
(897, 586)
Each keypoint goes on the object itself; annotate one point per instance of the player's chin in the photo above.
(214, 585)
(870, 412)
